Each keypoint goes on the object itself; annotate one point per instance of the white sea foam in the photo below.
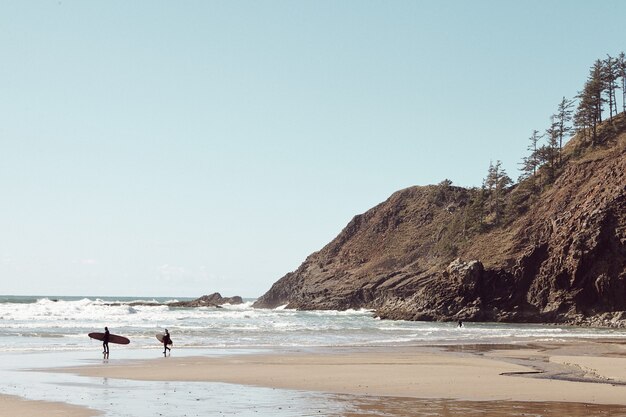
(46, 324)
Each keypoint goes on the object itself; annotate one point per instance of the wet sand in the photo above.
(579, 372)
(407, 407)
(11, 406)
(579, 378)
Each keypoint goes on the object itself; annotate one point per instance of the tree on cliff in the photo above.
(442, 192)
(474, 217)
(596, 85)
(496, 182)
(610, 75)
(561, 123)
(527, 188)
(531, 162)
(548, 153)
(621, 70)
(591, 101)
(584, 118)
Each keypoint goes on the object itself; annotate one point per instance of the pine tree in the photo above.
(481, 201)
(531, 162)
(584, 118)
(621, 70)
(474, 219)
(591, 100)
(561, 123)
(550, 151)
(596, 88)
(496, 182)
(609, 81)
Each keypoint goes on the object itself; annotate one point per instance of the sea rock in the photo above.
(212, 300)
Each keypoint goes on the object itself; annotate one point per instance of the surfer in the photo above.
(460, 323)
(105, 342)
(166, 341)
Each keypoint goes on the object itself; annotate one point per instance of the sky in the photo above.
(159, 148)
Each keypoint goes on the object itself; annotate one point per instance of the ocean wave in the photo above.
(48, 323)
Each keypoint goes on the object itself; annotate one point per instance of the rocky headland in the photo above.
(559, 256)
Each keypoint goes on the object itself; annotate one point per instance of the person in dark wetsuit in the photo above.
(166, 341)
(105, 342)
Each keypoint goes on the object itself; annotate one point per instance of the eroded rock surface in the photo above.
(562, 260)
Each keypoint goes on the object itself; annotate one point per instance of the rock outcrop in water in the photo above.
(561, 256)
(213, 300)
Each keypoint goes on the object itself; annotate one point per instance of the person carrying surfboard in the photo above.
(166, 341)
(107, 338)
(105, 342)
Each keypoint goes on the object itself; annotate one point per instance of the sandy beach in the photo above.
(589, 373)
(397, 372)
(11, 406)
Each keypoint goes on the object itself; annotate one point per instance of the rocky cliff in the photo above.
(421, 255)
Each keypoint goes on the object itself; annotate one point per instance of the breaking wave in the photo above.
(31, 323)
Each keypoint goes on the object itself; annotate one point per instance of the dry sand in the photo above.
(11, 406)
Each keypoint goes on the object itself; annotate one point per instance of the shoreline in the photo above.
(572, 372)
(578, 378)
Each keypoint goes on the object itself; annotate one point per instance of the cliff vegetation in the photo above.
(549, 248)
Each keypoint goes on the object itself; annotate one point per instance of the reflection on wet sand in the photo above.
(408, 407)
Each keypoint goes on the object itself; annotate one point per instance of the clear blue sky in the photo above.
(180, 148)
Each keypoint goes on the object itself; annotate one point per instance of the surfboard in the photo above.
(113, 338)
(160, 337)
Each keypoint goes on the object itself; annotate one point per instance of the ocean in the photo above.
(32, 324)
(37, 333)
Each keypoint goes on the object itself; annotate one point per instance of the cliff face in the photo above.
(415, 257)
